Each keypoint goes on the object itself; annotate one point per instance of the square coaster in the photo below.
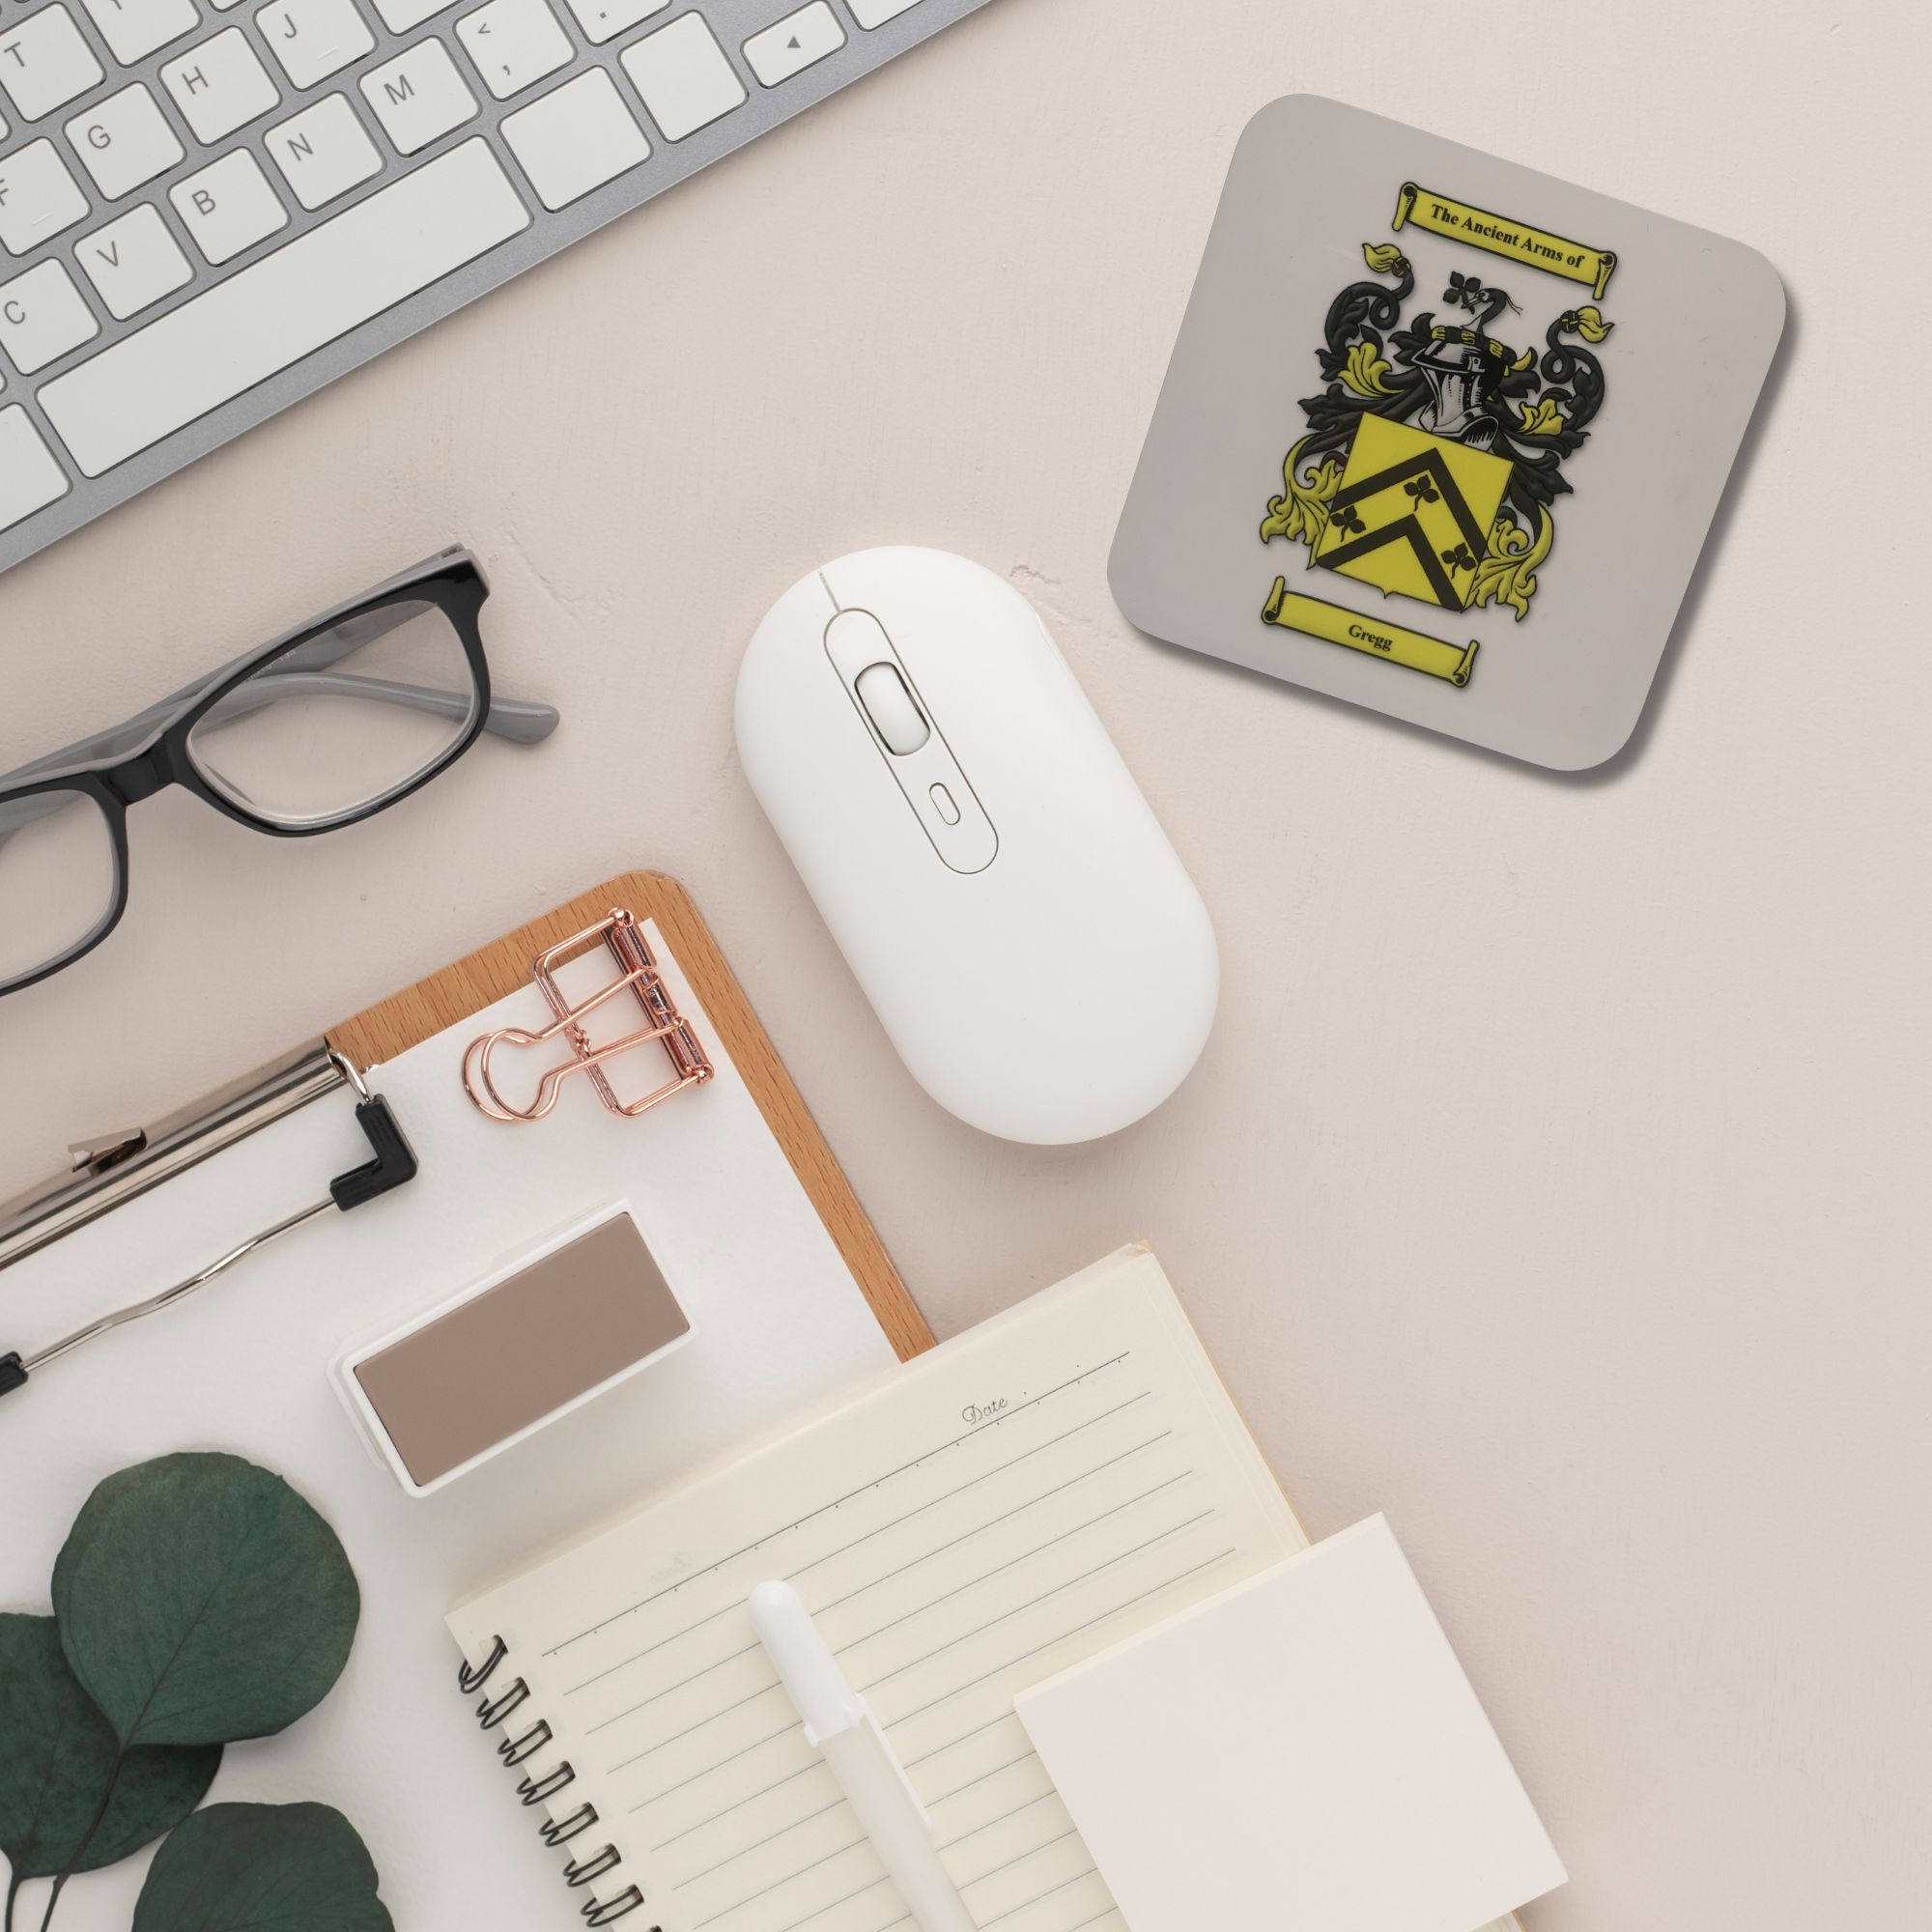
(1442, 435)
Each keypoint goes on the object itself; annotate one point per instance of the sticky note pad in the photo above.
(1303, 1750)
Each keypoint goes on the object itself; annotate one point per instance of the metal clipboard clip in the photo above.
(623, 938)
(113, 1169)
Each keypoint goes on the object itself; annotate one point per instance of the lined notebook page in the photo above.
(1010, 1503)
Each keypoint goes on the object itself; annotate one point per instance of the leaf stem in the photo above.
(79, 1851)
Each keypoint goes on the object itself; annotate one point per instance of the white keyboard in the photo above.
(210, 207)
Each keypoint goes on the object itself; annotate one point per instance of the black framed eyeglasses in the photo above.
(327, 726)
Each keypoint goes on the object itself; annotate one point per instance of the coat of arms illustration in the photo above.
(1433, 462)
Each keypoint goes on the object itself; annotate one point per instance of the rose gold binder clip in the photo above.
(623, 938)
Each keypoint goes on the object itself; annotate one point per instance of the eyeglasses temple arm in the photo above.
(514, 719)
(517, 720)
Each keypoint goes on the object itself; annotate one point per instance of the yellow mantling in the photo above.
(1300, 514)
(1508, 573)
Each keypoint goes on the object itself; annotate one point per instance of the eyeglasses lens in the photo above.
(57, 879)
(344, 722)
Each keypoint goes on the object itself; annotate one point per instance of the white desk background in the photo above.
(1554, 1178)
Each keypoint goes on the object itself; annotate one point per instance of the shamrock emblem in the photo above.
(1459, 559)
(1465, 291)
(1349, 520)
(1423, 489)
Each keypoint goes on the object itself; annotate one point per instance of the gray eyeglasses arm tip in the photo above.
(521, 720)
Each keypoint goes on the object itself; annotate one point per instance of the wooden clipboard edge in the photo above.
(490, 973)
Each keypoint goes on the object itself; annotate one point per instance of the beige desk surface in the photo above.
(1554, 1180)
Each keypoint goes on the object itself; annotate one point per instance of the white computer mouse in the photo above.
(1026, 933)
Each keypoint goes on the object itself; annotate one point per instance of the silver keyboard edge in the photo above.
(733, 21)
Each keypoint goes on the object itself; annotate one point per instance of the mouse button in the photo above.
(854, 639)
(894, 712)
(961, 832)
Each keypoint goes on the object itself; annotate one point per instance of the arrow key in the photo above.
(796, 43)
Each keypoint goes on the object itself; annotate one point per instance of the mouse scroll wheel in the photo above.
(895, 713)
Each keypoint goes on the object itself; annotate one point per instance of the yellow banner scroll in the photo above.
(1517, 240)
(1289, 611)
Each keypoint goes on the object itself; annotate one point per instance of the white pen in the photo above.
(839, 1723)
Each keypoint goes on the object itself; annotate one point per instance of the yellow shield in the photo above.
(1413, 513)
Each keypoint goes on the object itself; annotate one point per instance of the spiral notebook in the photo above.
(1025, 1496)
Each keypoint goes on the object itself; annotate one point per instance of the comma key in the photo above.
(514, 44)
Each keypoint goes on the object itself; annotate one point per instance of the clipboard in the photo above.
(792, 1299)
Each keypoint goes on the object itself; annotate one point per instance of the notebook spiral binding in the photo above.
(491, 1713)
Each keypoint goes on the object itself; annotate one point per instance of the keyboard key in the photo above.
(229, 206)
(323, 151)
(514, 44)
(684, 76)
(124, 141)
(30, 478)
(44, 63)
(876, 12)
(220, 86)
(795, 44)
(314, 38)
(39, 197)
(134, 28)
(43, 315)
(265, 317)
(604, 19)
(418, 96)
(134, 262)
(576, 139)
(400, 16)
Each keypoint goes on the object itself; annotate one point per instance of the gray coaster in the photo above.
(1441, 436)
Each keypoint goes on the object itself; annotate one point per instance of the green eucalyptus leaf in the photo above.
(263, 1869)
(201, 1600)
(59, 1756)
